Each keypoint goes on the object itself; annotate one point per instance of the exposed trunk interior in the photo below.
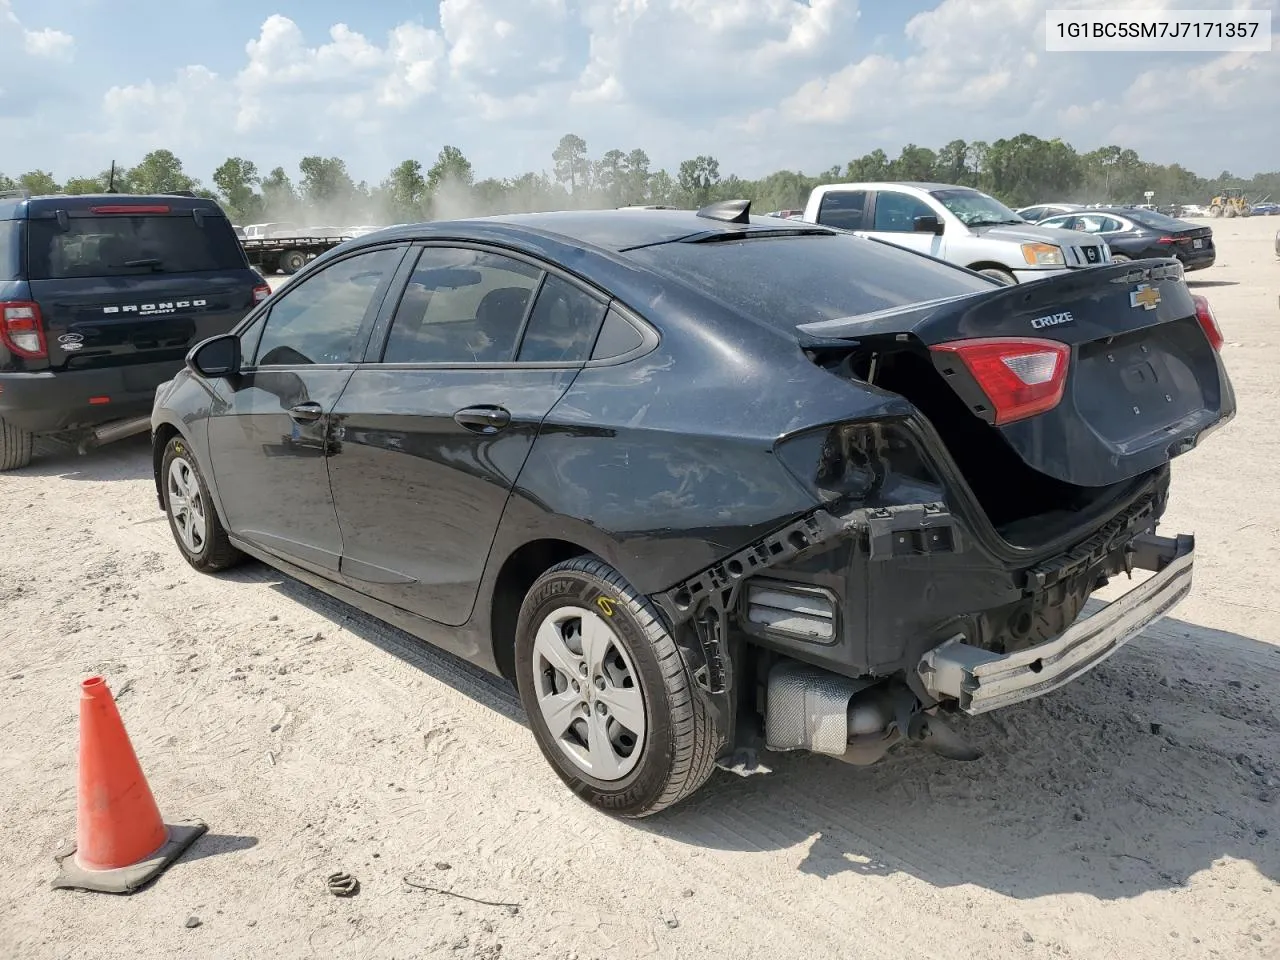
(1025, 506)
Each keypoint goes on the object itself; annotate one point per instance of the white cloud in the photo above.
(761, 84)
(53, 44)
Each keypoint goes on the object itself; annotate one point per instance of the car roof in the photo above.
(882, 184)
(613, 230)
(20, 208)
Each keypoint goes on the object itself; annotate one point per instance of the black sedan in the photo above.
(698, 482)
(1135, 234)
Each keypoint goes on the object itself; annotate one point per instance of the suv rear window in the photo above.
(113, 245)
(793, 280)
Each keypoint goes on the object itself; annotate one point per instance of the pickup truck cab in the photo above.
(957, 224)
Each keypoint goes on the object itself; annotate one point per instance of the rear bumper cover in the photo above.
(51, 401)
(982, 681)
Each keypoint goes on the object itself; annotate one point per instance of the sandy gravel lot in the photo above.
(313, 739)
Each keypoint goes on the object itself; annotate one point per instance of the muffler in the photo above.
(856, 720)
(113, 431)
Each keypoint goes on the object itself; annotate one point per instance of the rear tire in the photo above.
(1002, 276)
(193, 520)
(291, 261)
(16, 445)
(594, 658)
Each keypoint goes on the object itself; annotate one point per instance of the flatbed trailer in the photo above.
(287, 254)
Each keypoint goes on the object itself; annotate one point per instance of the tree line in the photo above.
(1020, 170)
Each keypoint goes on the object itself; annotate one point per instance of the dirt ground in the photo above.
(1135, 814)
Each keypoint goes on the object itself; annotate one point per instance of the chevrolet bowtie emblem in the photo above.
(1146, 296)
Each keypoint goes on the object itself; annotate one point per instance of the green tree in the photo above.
(82, 185)
(611, 177)
(279, 200)
(914, 163)
(952, 164)
(326, 186)
(869, 167)
(697, 177)
(451, 167)
(636, 177)
(235, 180)
(663, 189)
(572, 166)
(159, 172)
(404, 192)
(39, 182)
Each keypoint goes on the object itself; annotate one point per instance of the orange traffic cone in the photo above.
(121, 841)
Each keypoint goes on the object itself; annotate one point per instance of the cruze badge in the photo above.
(1052, 320)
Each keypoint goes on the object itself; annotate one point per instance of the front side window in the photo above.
(461, 306)
(897, 212)
(318, 320)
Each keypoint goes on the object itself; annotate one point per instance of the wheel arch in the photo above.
(989, 265)
(514, 578)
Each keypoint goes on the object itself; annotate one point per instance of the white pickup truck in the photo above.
(957, 224)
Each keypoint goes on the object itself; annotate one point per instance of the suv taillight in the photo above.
(1021, 376)
(22, 329)
(1208, 322)
(261, 292)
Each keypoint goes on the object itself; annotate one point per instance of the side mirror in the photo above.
(928, 225)
(216, 357)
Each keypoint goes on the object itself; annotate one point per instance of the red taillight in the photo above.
(1208, 322)
(1021, 376)
(126, 208)
(22, 329)
(1168, 240)
(261, 292)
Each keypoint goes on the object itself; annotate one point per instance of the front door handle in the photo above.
(306, 412)
(483, 419)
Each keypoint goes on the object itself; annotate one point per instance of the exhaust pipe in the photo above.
(855, 720)
(116, 430)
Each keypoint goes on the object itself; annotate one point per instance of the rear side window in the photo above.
(461, 306)
(791, 280)
(563, 324)
(10, 250)
(842, 209)
(127, 246)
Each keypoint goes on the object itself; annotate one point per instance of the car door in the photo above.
(438, 422)
(270, 427)
(892, 219)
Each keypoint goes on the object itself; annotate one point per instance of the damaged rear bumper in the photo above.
(982, 681)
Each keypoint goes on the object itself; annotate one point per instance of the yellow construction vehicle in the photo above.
(1230, 203)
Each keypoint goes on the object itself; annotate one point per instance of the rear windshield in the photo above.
(124, 246)
(1157, 221)
(793, 280)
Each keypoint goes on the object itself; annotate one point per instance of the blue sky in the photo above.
(760, 84)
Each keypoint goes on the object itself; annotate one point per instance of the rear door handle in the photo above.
(306, 412)
(483, 419)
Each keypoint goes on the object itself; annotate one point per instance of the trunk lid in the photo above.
(1143, 383)
(141, 283)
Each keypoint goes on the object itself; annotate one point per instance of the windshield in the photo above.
(127, 246)
(975, 209)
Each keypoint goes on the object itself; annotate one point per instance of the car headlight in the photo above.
(1043, 255)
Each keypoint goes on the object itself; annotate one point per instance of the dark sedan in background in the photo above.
(1134, 234)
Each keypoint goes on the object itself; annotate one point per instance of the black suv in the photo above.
(101, 297)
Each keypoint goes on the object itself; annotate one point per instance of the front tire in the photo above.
(16, 445)
(192, 518)
(609, 698)
(1000, 276)
(1120, 258)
